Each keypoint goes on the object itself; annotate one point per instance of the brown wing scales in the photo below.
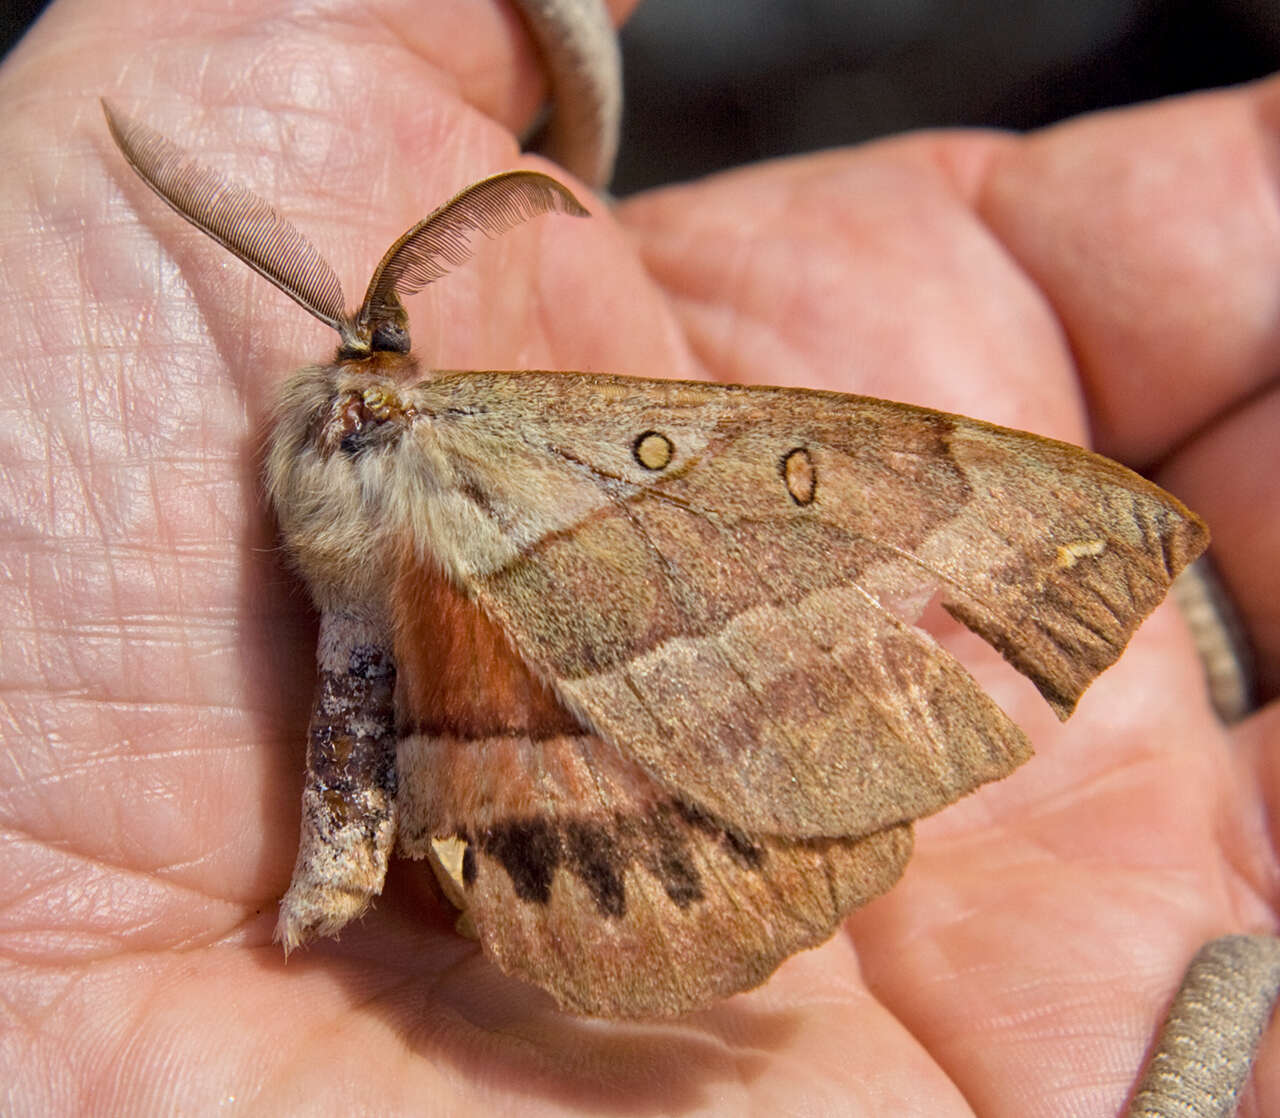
(750, 649)
(584, 877)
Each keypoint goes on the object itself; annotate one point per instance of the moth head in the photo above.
(336, 425)
(332, 463)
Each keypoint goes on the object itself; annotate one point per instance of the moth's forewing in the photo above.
(752, 649)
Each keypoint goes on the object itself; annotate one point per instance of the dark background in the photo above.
(714, 83)
(711, 85)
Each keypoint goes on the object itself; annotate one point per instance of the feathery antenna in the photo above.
(445, 239)
(249, 228)
(233, 216)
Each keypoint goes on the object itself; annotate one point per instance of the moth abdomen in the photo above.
(349, 801)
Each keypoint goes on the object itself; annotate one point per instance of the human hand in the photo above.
(1114, 276)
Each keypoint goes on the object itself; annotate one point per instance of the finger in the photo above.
(584, 73)
(1154, 234)
(865, 270)
(1229, 472)
(372, 60)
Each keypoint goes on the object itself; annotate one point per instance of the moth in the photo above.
(633, 663)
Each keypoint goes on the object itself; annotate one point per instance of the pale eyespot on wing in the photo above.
(633, 662)
(800, 475)
(653, 450)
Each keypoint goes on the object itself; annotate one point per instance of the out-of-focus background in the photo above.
(715, 83)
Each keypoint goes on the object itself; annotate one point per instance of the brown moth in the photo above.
(632, 662)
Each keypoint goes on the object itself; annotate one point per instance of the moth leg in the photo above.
(349, 800)
(447, 859)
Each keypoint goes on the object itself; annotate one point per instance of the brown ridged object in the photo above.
(1206, 1047)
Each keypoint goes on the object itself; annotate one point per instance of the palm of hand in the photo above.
(158, 654)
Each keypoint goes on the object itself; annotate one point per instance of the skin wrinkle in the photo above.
(108, 757)
(64, 770)
(51, 1006)
(72, 876)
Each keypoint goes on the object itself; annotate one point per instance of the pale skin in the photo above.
(1115, 279)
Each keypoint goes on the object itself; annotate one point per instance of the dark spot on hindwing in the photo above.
(665, 852)
(593, 856)
(529, 850)
(739, 847)
(598, 853)
(743, 851)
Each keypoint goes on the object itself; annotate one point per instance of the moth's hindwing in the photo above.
(578, 871)
(583, 876)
